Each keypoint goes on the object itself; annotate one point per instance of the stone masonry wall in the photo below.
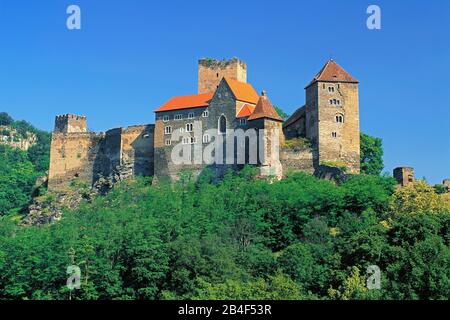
(345, 145)
(293, 160)
(72, 156)
(211, 72)
(70, 123)
(115, 155)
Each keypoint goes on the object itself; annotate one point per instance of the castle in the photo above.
(225, 104)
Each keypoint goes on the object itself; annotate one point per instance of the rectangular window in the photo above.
(189, 140)
(205, 138)
(166, 118)
(334, 134)
(243, 121)
(191, 115)
(168, 130)
(205, 114)
(168, 142)
(189, 127)
(178, 117)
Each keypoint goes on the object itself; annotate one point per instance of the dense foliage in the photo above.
(20, 169)
(371, 155)
(243, 238)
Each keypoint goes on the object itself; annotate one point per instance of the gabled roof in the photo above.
(186, 102)
(246, 110)
(242, 91)
(332, 72)
(264, 109)
(295, 116)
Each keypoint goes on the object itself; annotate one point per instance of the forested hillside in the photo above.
(299, 238)
(19, 169)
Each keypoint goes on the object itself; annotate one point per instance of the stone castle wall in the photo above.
(297, 160)
(88, 156)
(73, 155)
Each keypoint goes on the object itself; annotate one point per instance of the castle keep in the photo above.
(186, 126)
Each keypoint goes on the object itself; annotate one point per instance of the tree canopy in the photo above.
(371, 155)
(241, 238)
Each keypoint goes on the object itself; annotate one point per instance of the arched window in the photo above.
(339, 118)
(222, 125)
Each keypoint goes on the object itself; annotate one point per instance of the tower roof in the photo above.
(264, 109)
(332, 72)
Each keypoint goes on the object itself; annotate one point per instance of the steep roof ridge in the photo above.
(264, 109)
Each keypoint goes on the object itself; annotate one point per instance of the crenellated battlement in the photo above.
(70, 123)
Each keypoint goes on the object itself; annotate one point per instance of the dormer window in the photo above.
(243, 121)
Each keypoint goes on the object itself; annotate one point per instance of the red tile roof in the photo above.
(264, 109)
(242, 91)
(333, 72)
(246, 110)
(186, 102)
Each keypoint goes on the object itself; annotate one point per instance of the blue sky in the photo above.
(130, 56)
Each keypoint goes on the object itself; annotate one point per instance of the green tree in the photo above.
(5, 119)
(371, 155)
(281, 113)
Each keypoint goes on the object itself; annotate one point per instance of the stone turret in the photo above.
(404, 176)
(70, 123)
(269, 125)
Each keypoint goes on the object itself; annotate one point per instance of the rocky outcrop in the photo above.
(50, 207)
(11, 137)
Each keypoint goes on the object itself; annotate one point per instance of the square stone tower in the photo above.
(211, 72)
(70, 123)
(332, 117)
(404, 176)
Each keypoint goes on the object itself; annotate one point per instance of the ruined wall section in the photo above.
(297, 160)
(137, 149)
(90, 157)
(73, 156)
